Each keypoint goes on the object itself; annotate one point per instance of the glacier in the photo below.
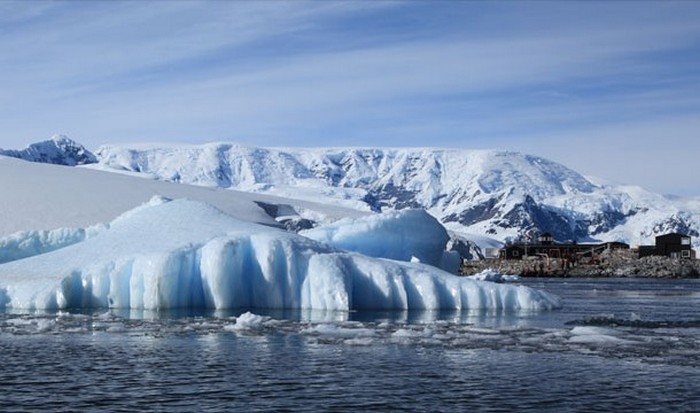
(181, 253)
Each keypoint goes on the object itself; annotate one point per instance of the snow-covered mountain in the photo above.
(59, 150)
(496, 194)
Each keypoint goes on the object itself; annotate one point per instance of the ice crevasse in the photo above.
(187, 254)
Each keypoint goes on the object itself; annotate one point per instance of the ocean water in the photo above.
(617, 345)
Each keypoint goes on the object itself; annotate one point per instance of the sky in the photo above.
(609, 89)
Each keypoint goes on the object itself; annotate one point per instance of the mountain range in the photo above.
(488, 196)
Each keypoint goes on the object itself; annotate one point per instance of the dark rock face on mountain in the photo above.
(58, 150)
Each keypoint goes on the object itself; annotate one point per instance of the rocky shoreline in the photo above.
(618, 263)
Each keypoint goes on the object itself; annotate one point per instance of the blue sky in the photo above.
(610, 89)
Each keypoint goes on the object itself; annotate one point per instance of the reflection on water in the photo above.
(479, 316)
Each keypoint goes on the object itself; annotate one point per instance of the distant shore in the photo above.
(610, 264)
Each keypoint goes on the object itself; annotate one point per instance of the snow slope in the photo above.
(187, 254)
(36, 196)
(493, 194)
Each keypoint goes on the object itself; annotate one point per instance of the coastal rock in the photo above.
(618, 263)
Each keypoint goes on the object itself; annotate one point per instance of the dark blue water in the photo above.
(617, 345)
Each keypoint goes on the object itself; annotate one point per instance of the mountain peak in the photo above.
(59, 137)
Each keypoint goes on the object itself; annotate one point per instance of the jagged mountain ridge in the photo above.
(494, 193)
(59, 150)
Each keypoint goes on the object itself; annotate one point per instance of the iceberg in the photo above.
(187, 254)
(410, 235)
(25, 244)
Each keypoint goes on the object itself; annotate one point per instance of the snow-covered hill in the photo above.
(500, 195)
(59, 150)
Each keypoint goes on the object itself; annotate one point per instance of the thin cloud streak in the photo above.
(635, 152)
(348, 73)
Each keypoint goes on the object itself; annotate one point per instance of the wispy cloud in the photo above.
(458, 74)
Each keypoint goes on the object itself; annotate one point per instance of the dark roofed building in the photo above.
(512, 252)
(547, 247)
(672, 245)
(546, 239)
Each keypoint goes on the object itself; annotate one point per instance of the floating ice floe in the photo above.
(187, 254)
(493, 276)
(249, 321)
(597, 335)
